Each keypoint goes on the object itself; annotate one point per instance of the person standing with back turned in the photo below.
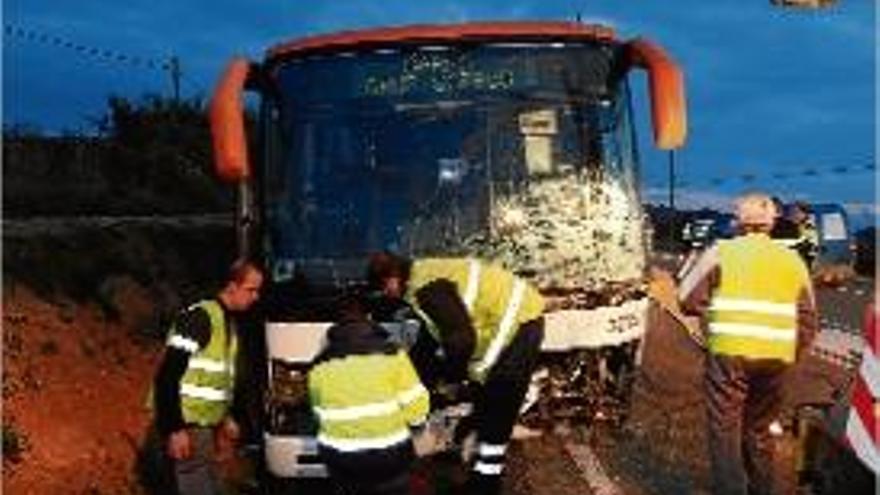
(757, 307)
(195, 407)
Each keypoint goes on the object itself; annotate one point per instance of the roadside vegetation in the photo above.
(86, 302)
(14, 444)
(145, 157)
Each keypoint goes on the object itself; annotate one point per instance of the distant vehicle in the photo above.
(835, 239)
(826, 245)
(703, 230)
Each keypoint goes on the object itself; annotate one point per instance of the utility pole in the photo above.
(174, 67)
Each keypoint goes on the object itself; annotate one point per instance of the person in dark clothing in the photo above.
(488, 324)
(808, 238)
(193, 391)
(367, 398)
(796, 230)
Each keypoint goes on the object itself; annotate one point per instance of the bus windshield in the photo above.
(430, 149)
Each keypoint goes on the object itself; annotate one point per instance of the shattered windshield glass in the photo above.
(441, 149)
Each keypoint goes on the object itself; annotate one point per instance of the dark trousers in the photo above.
(370, 472)
(155, 469)
(743, 397)
(398, 485)
(199, 474)
(497, 407)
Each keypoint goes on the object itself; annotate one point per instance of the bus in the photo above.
(508, 141)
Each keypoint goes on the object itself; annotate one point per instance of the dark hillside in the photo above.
(149, 157)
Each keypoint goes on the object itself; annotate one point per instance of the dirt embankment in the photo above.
(84, 311)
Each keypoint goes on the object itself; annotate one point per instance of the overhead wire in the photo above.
(106, 55)
(859, 166)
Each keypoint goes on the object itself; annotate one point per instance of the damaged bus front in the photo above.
(508, 141)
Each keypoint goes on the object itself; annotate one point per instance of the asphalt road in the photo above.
(842, 308)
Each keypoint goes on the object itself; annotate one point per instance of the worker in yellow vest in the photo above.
(368, 400)
(193, 398)
(488, 325)
(759, 314)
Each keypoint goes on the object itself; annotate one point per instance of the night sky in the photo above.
(782, 100)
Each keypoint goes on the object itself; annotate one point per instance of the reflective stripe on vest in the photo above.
(356, 412)
(183, 343)
(473, 285)
(375, 409)
(360, 444)
(212, 365)
(781, 314)
(505, 329)
(782, 309)
(754, 310)
(754, 331)
(206, 386)
(491, 449)
(490, 458)
(366, 401)
(488, 469)
(496, 300)
(203, 393)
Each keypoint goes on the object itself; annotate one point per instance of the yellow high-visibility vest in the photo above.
(497, 301)
(206, 386)
(753, 312)
(366, 401)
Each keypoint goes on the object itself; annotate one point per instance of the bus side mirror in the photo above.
(666, 85)
(226, 114)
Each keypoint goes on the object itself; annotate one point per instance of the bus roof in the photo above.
(440, 33)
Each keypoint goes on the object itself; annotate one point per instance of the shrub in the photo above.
(14, 444)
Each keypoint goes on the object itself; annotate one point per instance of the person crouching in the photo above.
(366, 396)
